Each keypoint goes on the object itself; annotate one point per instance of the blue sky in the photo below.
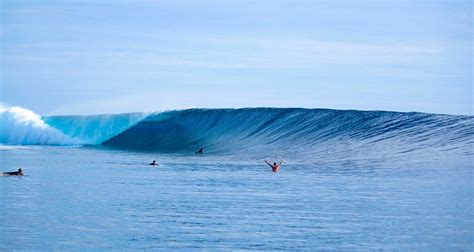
(88, 57)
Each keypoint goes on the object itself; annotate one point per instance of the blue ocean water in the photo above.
(353, 180)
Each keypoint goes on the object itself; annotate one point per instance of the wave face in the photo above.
(304, 132)
(309, 133)
(94, 129)
(19, 126)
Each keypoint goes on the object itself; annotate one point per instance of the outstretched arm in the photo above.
(280, 162)
(268, 163)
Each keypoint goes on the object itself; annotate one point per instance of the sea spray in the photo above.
(20, 126)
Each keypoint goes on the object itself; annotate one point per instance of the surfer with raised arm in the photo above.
(275, 167)
(200, 151)
(14, 173)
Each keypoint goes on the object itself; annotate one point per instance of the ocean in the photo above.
(350, 180)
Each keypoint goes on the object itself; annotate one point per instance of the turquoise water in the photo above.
(351, 180)
(101, 198)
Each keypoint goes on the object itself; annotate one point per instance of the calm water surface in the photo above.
(89, 198)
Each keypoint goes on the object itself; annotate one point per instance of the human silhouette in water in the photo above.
(275, 167)
(200, 151)
(15, 173)
(154, 163)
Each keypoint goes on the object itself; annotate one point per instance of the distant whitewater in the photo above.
(290, 131)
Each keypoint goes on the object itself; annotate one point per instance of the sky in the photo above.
(114, 56)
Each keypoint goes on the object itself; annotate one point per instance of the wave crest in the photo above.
(22, 126)
(283, 131)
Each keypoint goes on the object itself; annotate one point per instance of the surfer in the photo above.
(200, 151)
(275, 167)
(154, 163)
(15, 173)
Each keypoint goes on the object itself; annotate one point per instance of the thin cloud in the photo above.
(240, 52)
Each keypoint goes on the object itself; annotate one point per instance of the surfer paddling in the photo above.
(14, 173)
(200, 151)
(275, 167)
(154, 163)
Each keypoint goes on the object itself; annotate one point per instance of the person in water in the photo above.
(200, 151)
(15, 173)
(154, 163)
(275, 167)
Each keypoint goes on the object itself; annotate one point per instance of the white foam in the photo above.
(22, 126)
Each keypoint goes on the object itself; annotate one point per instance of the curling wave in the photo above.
(321, 132)
(94, 129)
(297, 131)
(19, 126)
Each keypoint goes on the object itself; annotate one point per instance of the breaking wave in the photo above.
(94, 129)
(24, 127)
(335, 133)
(302, 132)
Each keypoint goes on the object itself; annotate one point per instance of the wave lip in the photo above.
(19, 126)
